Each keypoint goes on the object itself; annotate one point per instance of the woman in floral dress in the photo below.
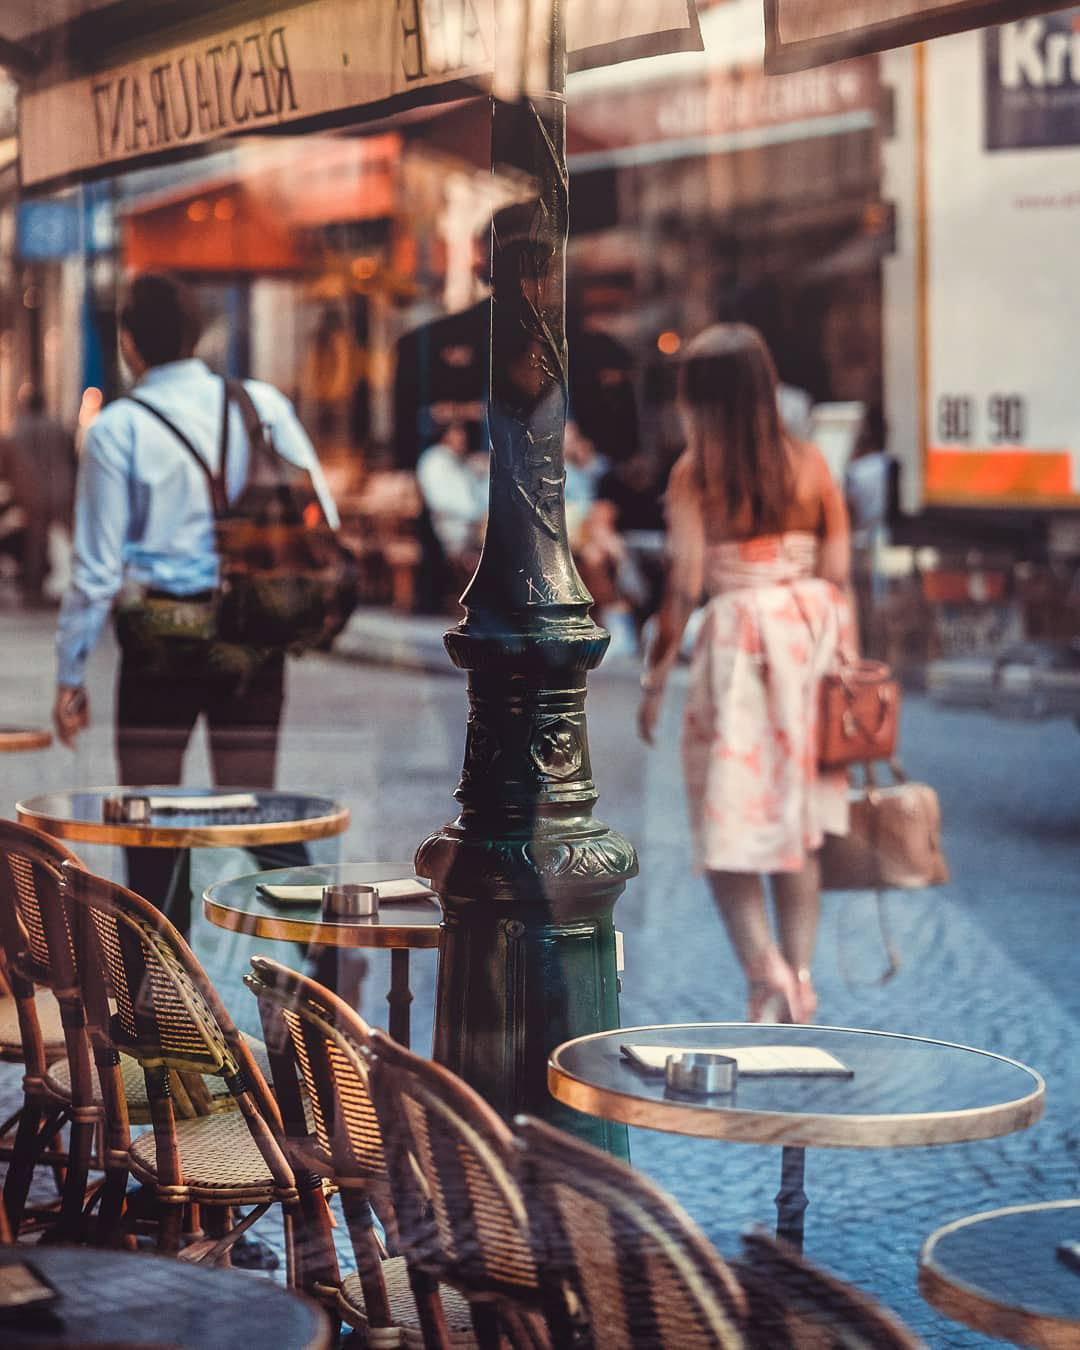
(756, 525)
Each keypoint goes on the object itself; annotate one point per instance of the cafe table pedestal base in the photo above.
(791, 1199)
(400, 996)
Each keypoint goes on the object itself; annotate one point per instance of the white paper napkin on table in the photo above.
(225, 801)
(405, 889)
(752, 1059)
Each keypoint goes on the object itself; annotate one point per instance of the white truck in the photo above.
(982, 393)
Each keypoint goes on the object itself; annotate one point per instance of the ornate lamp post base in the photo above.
(528, 957)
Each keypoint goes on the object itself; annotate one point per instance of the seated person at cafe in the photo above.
(144, 547)
(453, 484)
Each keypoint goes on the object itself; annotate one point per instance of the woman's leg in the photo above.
(740, 897)
(797, 899)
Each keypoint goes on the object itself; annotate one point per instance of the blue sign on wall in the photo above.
(1032, 72)
(47, 230)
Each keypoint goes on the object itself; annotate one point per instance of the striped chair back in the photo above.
(793, 1303)
(313, 1037)
(633, 1268)
(461, 1216)
(37, 945)
(38, 949)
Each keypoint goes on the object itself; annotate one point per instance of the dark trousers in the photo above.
(155, 716)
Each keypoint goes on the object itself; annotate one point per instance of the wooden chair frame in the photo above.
(314, 1037)
(461, 1217)
(300, 1020)
(39, 951)
(145, 993)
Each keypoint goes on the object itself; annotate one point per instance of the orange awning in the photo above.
(261, 218)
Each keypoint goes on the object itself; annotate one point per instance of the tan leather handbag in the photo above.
(859, 715)
(894, 840)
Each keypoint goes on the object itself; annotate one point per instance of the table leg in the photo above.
(400, 995)
(791, 1200)
(177, 907)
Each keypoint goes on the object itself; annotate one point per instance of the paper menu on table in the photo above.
(389, 891)
(752, 1060)
(225, 801)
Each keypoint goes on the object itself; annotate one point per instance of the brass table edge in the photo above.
(12, 742)
(203, 836)
(270, 926)
(796, 1129)
(966, 1303)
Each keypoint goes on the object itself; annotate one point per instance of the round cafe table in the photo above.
(242, 905)
(1000, 1273)
(278, 817)
(14, 740)
(124, 1298)
(904, 1091)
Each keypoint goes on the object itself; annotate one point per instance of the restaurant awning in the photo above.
(106, 83)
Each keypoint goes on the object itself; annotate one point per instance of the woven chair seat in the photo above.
(406, 1329)
(58, 1081)
(48, 1011)
(220, 1162)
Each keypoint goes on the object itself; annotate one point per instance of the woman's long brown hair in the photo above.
(727, 385)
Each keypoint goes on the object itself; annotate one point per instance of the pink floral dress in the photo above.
(758, 801)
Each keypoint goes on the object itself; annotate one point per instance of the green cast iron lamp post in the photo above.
(527, 876)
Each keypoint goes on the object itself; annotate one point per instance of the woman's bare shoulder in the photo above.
(682, 477)
(804, 454)
(809, 466)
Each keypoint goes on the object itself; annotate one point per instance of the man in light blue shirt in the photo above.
(144, 530)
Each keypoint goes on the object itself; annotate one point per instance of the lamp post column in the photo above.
(527, 876)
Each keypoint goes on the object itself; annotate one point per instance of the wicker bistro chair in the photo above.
(314, 1038)
(146, 995)
(794, 1304)
(47, 1008)
(39, 962)
(461, 1218)
(38, 950)
(631, 1268)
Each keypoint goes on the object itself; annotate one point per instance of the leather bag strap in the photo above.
(218, 500)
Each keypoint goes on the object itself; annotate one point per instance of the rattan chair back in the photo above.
(633, 1268)
(794, 1304)
(313, 1037)
(38, 949)
(166, 1011)
(34, 934)
(146, 994)
(461, 1215)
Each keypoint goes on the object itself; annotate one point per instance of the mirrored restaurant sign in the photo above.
(314, 63)
(804, 33)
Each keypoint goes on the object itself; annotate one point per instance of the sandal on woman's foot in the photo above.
(774, 990)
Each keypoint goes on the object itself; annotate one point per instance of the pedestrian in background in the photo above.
(144, 526)
(39, 463)
(870, 489)
(453, 483)
(756, 523)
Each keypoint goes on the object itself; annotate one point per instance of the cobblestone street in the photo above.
(988, 961)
